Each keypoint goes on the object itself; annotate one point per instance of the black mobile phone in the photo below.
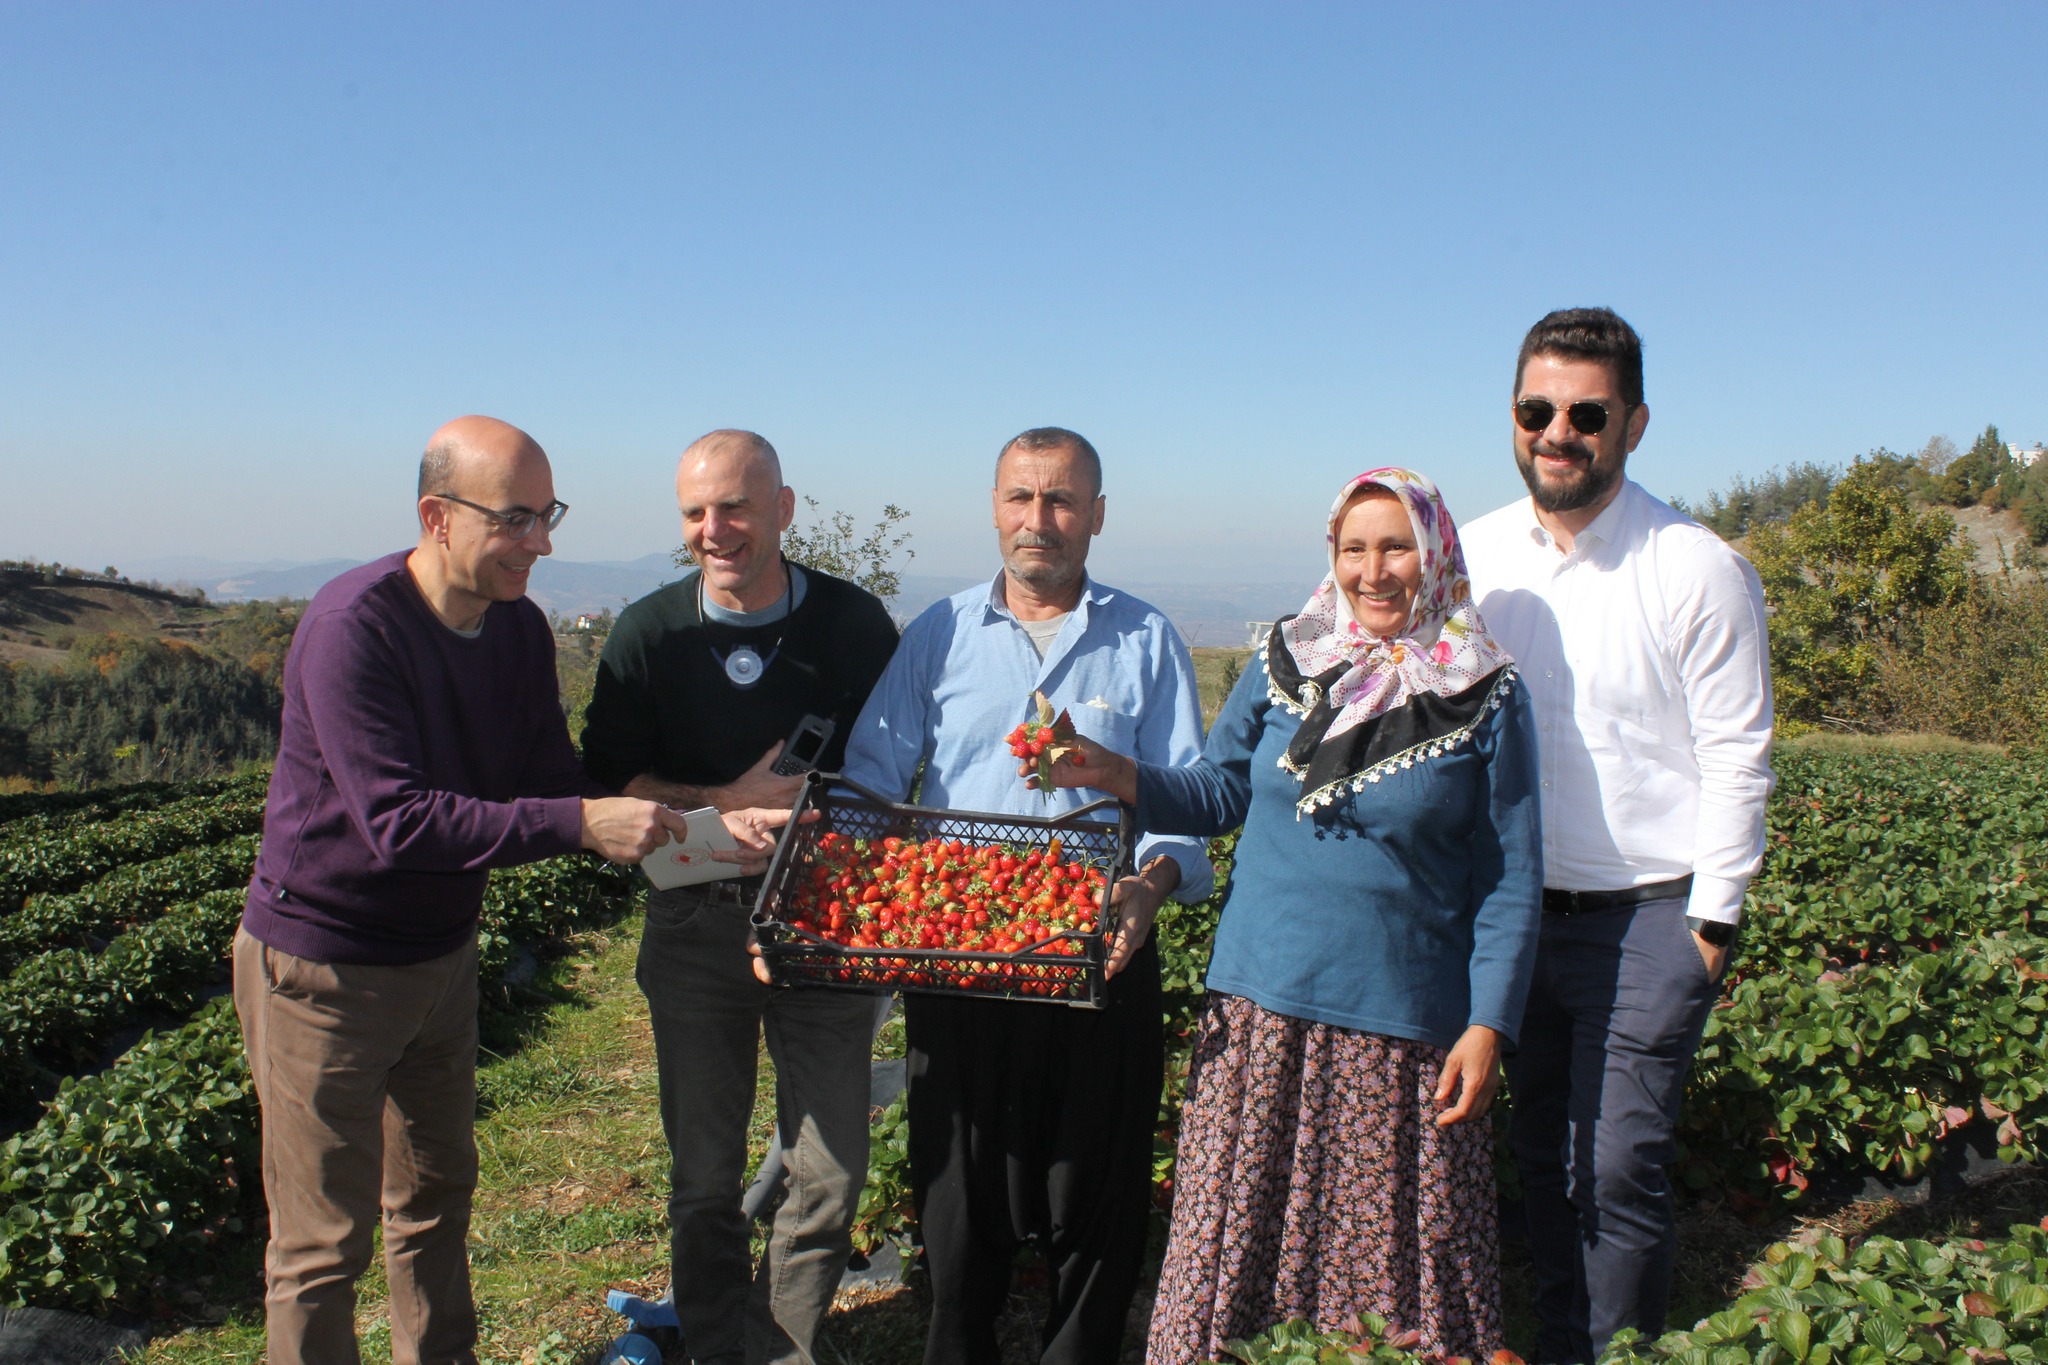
(806, 745)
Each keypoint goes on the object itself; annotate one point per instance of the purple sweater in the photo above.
(412, 762)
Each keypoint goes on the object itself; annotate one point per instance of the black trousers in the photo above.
(1035, 1120)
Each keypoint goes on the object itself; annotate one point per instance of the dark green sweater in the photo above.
(662, 703)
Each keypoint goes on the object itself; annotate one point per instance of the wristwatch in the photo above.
(1720, 933)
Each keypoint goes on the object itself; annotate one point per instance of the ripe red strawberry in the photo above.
(1045, 740)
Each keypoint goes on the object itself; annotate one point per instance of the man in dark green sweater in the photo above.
(700, 684)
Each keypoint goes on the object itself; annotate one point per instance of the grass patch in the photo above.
(1836, 742)
(1216, 670)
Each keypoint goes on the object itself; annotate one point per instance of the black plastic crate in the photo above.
(1097, 835)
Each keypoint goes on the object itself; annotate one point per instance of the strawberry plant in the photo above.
(124, 896)
(131, 1170)
(885, 1208)
(536, 902)
(24, 811)
(1820, 1300)
(66, 855)
(1367, 1337)
(1815, 1301)
(59, 1008)
(148, 1164)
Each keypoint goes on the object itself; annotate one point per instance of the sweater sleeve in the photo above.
(1210, 795)
(1506, 870)
(368, 724)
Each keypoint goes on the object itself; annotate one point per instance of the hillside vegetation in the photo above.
(1885, 614)
(103, 680)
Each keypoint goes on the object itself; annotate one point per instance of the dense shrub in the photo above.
(124, 709)
(1976, 669)
(1846, 578)
(1750, 503)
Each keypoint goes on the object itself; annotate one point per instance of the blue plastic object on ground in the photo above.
(642, 1313)
(631, 1349)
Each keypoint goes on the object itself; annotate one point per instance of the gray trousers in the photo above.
(1614, 1017)
(709, 1014)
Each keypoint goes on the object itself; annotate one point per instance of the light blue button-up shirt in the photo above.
(962, 679)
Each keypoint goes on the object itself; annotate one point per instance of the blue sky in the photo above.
(250, 255)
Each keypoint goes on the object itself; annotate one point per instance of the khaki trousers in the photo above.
(367, 1078)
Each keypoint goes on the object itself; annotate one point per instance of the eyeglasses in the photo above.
(1588, 418)
(519, 521)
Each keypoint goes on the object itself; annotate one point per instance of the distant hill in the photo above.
(1206, 614)
(41, 613)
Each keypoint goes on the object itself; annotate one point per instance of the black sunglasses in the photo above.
(1588, 418)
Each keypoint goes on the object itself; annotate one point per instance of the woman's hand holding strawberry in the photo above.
(1054, 754)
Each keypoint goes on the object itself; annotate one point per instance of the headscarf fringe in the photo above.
(1496, 697)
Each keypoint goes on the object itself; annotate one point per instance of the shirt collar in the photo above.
(1092, 593)
(1604, 529)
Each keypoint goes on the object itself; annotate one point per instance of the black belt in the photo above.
(743, 891)
(1577, 902)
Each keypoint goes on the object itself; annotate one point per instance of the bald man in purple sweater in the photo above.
(423, 745)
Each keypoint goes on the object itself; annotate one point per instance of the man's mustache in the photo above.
(1031, 540)
(1564, 452)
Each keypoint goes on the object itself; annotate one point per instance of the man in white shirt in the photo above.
(1641, 637)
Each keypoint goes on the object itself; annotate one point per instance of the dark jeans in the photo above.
(709, 1014)
(1614, 1016)
(1035, 1120)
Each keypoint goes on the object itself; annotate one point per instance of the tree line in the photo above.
(1879, 618)
(124, 708)
(1879, 622)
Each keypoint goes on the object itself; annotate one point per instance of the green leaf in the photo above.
(1793, 1330)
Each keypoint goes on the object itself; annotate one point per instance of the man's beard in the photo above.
(1039, 574)
(1592, 484)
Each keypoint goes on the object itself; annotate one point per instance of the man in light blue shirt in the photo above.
(1030, 1120)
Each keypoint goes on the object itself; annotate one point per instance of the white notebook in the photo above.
(689, 862)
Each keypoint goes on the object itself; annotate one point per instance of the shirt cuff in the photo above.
(1716, 898)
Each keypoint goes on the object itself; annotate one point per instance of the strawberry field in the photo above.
(117, 913)
(1886, 1007)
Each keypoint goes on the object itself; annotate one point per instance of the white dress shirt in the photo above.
(1644, 650)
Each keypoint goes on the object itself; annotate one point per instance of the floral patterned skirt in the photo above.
(1312, 1182)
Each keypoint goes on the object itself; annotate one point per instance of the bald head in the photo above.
(746, 453)
(468, 444)
(735, 508)
(486, 506)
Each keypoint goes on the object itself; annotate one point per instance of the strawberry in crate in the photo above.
(947, 894)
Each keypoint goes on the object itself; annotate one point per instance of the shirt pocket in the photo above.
(1112, 729)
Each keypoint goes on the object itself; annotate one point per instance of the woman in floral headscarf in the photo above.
(1373, 956)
